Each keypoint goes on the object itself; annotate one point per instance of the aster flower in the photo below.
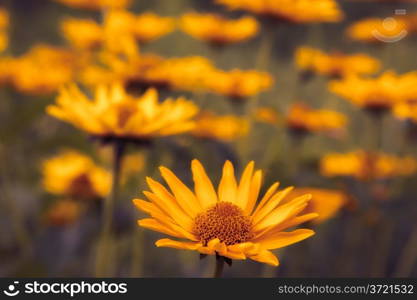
(4, 24)
(73, 174)
(217, 30)
(82, 33)
(226, 223)
(115, 114)
(223, 128)
(365, 165)
(334, 64)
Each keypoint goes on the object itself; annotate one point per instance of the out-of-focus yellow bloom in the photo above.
(217, 30)
(406, 108)
(267, 115)
(4, 24)
(82, 33)
(63, 212)
(145, 27)
(380, 93)
(377, 30)
(297, 11)
(337, 64)
(96, 4)
(227, 222)
(325, 202)
(367, 165)
(73, 174)
(43, 69)
(302, 118)
(238, 84)
(6, 69)
(224, 128)
(115, 114)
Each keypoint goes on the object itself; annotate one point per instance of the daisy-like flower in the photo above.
(63, 212)
(224, 128)
(303, 119)
(82, 33)
(238, 84)
(115, 114)
(228, 222)
(365, 165)
(95, 4)
(325, 202)
(294, 11)
(73, 174)
(336, 64)
(374, 94)
(217, 30)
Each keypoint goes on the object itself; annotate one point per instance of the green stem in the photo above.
(104, 253)
(218, 271)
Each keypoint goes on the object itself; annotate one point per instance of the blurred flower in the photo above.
(43, 69)
(325, 202)
(367, 165)
(375, 94)
(6, 70)
(267, 115)
(224, 222)
(95, 4)
(296, 11)
(115, 114)
(334, 65)
(224, 128)
(71, 173)
(238, 84)
(4, 24)
(302, 118)
(63, 212)
(82, 33)
(215, 29)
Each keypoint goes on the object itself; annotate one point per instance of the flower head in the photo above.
(334, 65)
(82, 33)
(227, 222)
(73, 174)
(115, 114)
(4, 24)
(217, 30)
(96, 4)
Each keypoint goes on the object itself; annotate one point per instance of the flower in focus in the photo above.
(217, 30)
(374, 94)
(82, 33)
(96, 4)
(73, 174)
(63, 212)
(238, 84)
(227, 222)
(334, 65)
(267, 115)
(224, 128)
(294, 11)
(115, 114)
(367, 165)
(4, 24)
(325, 202)
(303, 119)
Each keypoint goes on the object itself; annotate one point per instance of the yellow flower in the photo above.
(367, 165)
(215, 29)
(267, 115)
(238, 84)
(377, 30)
(296, 11)
(379, 93)
(224, 128)
(63, 212)
(337, 64)
(115, 114)
(304, 119)
(226, 222)
(6, 69)
(4, 24)
(325, 202)
(406, 111)
(96, 4)
(43, 69)
(73, 174)
(82, 33)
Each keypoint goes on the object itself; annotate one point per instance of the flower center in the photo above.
(224, 221)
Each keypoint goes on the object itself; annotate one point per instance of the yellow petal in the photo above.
(282, 239)
(254, 192)
(271, 204)
(177, 244)
(228, 186)
(202, 185)
(243, 190)
(185, 198)
(154, 225)
(267, 196)
(266, 257)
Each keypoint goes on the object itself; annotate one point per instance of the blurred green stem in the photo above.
(103, 257)
(408, 257)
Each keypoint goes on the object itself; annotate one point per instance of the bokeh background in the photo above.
(358, 241)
